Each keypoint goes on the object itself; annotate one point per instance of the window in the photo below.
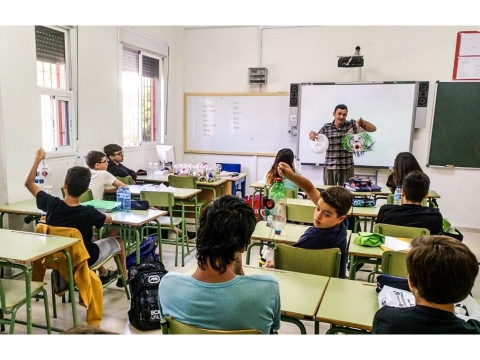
(143, 88)
(55, 50)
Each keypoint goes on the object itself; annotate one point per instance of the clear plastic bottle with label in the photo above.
(46, 175)
(397, 196)
(127, 200)
(120, 198)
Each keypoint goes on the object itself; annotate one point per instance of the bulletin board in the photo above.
(467, 56)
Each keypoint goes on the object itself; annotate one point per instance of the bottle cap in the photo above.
(278, 179)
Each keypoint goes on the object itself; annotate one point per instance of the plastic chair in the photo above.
(13, 297)
(187, 182)
(166, 201)
(397, 231)
(394, 263)
(170, 326)
(127, 180)
(298, 213)
(292, 193)
(86, 196)
(390, 200)
(325, 262)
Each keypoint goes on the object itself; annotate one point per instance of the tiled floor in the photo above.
(116, 304)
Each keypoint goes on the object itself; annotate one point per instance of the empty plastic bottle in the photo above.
(397, 196)
(127, 200)
(120, 198)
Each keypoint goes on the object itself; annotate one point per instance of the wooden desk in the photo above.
(349, 306)
(290, 235)
(232, 183)
(26, 207)
(135, 220)
(300, 294)
(20, 248)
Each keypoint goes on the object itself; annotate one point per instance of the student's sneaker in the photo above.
(120, 282)
(109, 276)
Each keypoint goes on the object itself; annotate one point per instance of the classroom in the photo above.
(215, 59)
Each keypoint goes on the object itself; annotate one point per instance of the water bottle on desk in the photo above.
(397, 196)
(127, 200)
(120, 198)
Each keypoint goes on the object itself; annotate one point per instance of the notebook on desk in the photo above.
(228, 174)
(103, 205)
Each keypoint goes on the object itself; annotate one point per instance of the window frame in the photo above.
(69, 94)
(156, 49)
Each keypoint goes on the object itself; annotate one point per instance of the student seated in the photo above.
(115, 154)
(97, 162)
(215, 296)
(411, 212)
(329, 221)
(441, 272)
(69, 213)
(404, 164)
(286, 156)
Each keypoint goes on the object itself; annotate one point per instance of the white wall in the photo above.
(99, 101)
(216, 60)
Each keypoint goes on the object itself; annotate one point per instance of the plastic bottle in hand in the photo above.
(46, 175)
(397, 196)
(120, 193)
(78, 161)
(298, 165)
(278, 194)
(127, 200)
(262, 259)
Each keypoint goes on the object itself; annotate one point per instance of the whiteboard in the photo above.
(243, 124)
(389, 106)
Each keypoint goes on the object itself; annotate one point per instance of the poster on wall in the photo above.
(467, 56)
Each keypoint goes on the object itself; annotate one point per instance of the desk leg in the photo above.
(71, 285)
(295, 321)
(353, 267)
(1, 219)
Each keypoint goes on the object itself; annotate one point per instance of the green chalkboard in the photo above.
(455, 137)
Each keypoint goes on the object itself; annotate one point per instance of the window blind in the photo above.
(50, 45)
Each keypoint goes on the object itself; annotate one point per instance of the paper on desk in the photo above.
(161, 187)
(396, 244)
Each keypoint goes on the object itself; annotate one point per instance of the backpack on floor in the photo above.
(144, 313)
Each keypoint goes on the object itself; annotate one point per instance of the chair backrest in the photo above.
(325, 262)
(390, 200)
(172, 326)
(231, 167)
(86, 196)
(186, 182)
(127, 180)
(394, 263)
(160, 199)
(292, 193)
(400, 231)
(300, 213)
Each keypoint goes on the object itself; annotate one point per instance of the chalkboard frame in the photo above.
(187, 148)
(453, 142)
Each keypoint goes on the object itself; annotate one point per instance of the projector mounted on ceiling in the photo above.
(356, 60)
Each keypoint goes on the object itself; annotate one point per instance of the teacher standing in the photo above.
(338, 161)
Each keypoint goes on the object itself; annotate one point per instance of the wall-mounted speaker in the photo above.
(293, 95)
(422, 100)
(422, 93)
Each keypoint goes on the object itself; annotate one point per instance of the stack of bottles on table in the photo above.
(202, 171)
(124, 197)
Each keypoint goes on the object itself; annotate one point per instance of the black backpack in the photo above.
(144, 313)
